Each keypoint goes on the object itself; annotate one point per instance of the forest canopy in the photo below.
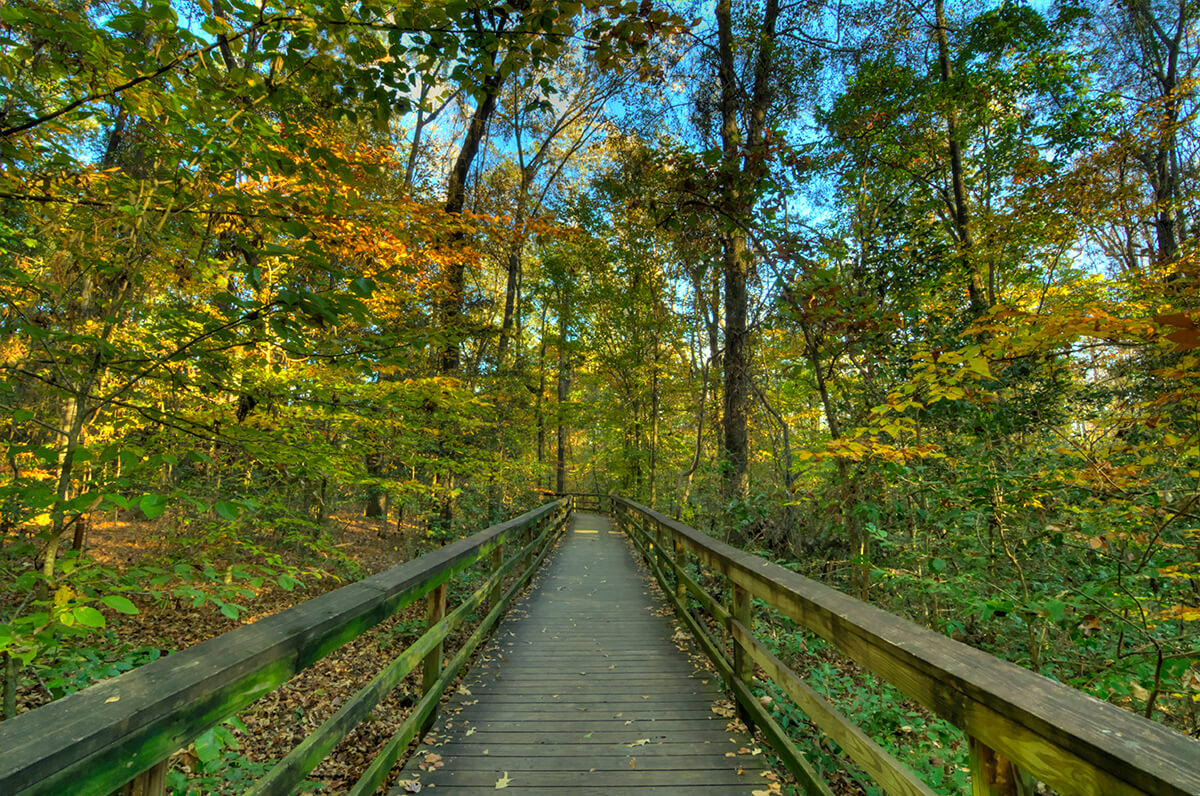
(901, 295)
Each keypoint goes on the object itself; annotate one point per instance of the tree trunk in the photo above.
(451, 304)
(541, 403)
(976, 292)
(564, 388)
(515, 258)
(734, 404)
(741, 155)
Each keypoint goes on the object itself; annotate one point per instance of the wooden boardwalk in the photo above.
(582, 690)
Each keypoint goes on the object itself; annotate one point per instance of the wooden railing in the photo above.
(588, 501)
(118, 734)
(1021, 727)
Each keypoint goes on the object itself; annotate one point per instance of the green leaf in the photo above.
(230, 610)
(21, 415)
(116, 500)
(119, 603)
(153, 505)
(207, 748)
(88, 616)
(937, 564)
(226, 510)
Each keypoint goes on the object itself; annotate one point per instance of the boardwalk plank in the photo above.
(582, 690)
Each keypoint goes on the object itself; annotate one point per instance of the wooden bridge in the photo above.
(582, 688)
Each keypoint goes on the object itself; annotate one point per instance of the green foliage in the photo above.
(935, 750)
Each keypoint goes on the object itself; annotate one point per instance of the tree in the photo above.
(743, 134)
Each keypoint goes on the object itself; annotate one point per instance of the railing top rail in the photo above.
(159, 707)
(988, 697)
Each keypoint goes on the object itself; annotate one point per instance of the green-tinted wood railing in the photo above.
(588, 501)
(1021, 727)
(122, 730)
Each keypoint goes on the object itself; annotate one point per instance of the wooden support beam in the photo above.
(993, 775)
(497, 563)
(741, 610)
(680, 572)
(431, 667)
(151, 782)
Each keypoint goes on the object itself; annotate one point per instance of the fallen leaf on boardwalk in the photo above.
(730, 754)
(723, 709)
(640, 742)
(485, 751)
(629, 722)
(462, 689)
(589, 735)
(430, 762)
(613, 666)
(740, 771)
(503, 781)
(633, 762)
(470, 732)
(411, 786)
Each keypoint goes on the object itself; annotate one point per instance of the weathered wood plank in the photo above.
(682, 779)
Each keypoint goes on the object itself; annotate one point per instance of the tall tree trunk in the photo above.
(513, 271)
(541, 403)
(451, 304)
(735, 473)
(976, 291)
(740, 153)
(564, 389)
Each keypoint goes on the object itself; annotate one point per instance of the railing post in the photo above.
(529, 534)
(431, 668)
(151, 782)
(993, 775)
(680, 586)
(497, 562)
(741, 610)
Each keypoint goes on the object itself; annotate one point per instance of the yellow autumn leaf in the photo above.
(63, 596)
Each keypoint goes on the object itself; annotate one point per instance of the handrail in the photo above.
(586, 501)
(97, 740)
(1020, 724)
